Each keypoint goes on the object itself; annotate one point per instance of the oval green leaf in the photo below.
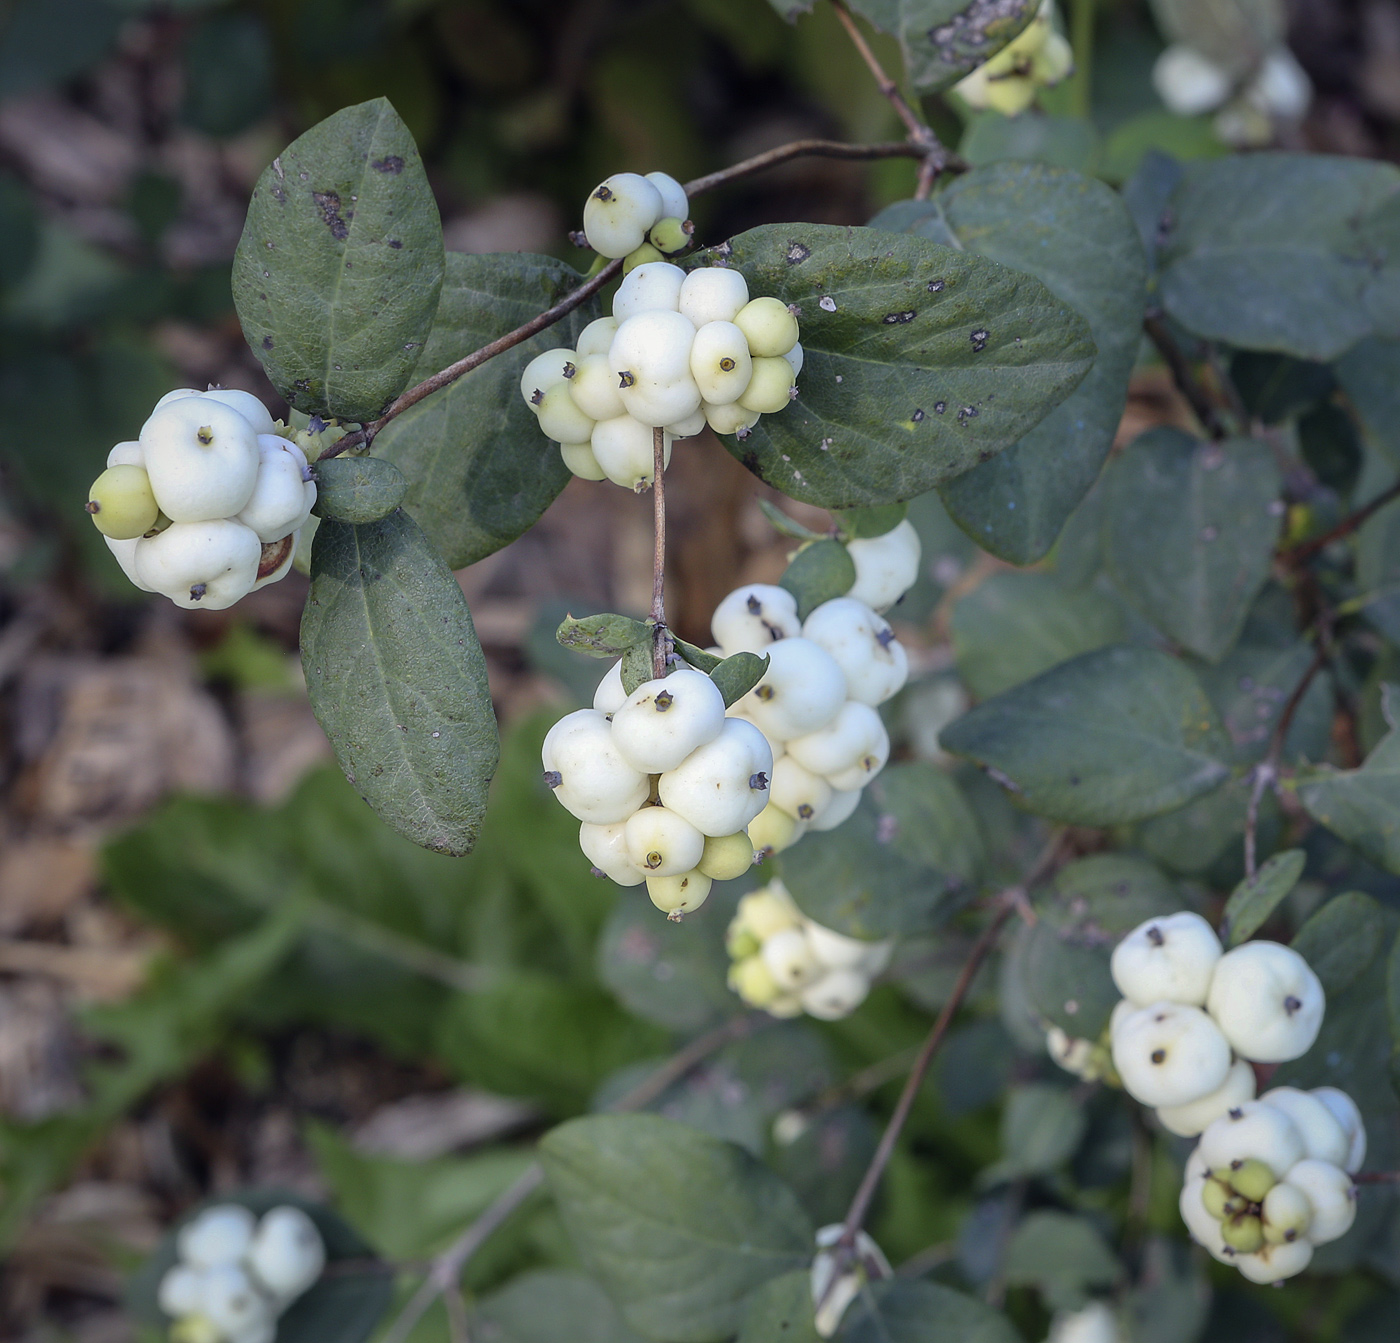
(357, 489)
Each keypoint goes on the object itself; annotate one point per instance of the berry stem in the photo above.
(658, 559)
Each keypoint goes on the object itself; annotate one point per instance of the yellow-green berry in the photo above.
(1243, 1234)
(121, 504)
(642, 256)
(672, 235)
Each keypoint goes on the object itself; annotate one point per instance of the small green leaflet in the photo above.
(1255, 898)
(818, 573)
(1361, 805)
(1342, 939)
(603, 636)
(357, 489)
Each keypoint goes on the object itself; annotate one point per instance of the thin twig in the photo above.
(1182, 374)
(1307, 549)
(658, 556)
(456, 1305)
(1376, 1177)
(446, 1269)
(820, 149)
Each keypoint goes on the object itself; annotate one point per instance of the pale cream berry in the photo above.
(722, 785)
(1274, 1263)
(664, 720)
(283, 494)
(610, 695)
(836, 951)
(801, 691)
(656, 403)
(726, 856)
(287, 1253)
(1095, 1323)
(769, 387)
(1268, 1002)
(652, 346)
(836, 994)
(201, 457)
(1205, 1229)
(839, 809)
(181, 1291)
(618, 213)
(1167, 959)
(124, 552)
(596, 337)
(546, 371)
(680, 894)
(127, 454)
(674, 202)
(1324, 1138)
(886, 566)
(789, 959)
(654, 286)
(751, 979)
(730, 419)
(751, 618)
(661, 843)
(768, 910)
(594, 390)
(247, 405)
(796, 359)
(1346, 1113)
(233, 1304)
(834, 749)
(773, 830)
(864, 646)
(121, 504)
(605, 846)
(561, 419)
(1188, 82)
(798, 791)
(625, 451)
(1170, 1054)
(1331, 1195)
(200, 565)
(1251, 1131)
(1188, 1120)
(713, 294)
(579, 458)
(588, 775)
(688, 427)
(1286, 1213)
(720, 363)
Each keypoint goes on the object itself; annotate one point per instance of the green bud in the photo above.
(672, 235)
(121, 504)
(1252, 1179)
(742, 944)
(1220, 1200)
(1244, 1234)
(1287, 1213)
(645, 253)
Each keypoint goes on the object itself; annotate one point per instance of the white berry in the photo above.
(619, 212)
(1330, 1193)
(801, 691)
(624, 450)
(873, 660)
(843, 803)
(835, 994)
(795, 359)
(1268, 1001)
(1205, 1230)
(653, 346)
(720, 363)
(610, 695)
(282, 498)
(1170, 1054)
(768, 326)
(798, 791)
(713, 295)
(605, 846)
(596, 337)
(1324, 1138)
(561, 419)
(544, 372)
(674, 202)
(721, 786)
(657, 403)
(200, 565)
(287, 1254)
(127, 454)
(1188, 1120)
(751, 618)
(181, 1291)
(1346, 1113)
(202, 459)
(886, 566)
(689, 426)
(769, 387)
(679, 894)
(594, 390)
(654, 286)
(1252, 1131)
(730, 419)
(789, 959)
(232, 1303)
(835, 748)
(664, 720)
(587, 773)
(1167, 959)
(247, 405)
(661, 843)
(579, 458)
(1274, 1263)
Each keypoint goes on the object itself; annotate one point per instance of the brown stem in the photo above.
(919, 132)
(1377, 1177)
(658, 559)
(1345, 527)
(1182, 374)
(821, 149)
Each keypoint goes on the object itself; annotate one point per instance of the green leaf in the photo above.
(924, 361)
(1052, 141)
(637, 667)
(1100, 897)
(901, 1311)
(900, 864)
(357, 489)
(819, 572)
(1065, 980)
(1361, 805)
(942, 40)
(1189, 532)
(696, 657)
(1076, 236)
(680, 1228)
(1378, 572)
(787, 526)
(738, 674)
(1270, 252)
(1342, 939)
(480, 471)
(1392, 1006)
(603, 636)
(1061, 1254)
(858, 522)
(1012, 627)
(1040, 1129)
(1111, 736)
(342, 1307)
(547, 1305)
(1369, 373)
(337, 274)
(398, 680)
(1249, 687)
(781, 1310)
(1255, 898)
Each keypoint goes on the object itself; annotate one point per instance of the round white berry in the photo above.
(1188, 1120)
(679, 894)
(1122, 1010)
(593, 388)
(562, 420)
(870, 762)
(579, 458)
(605, 846)
(798, 791)
(543, 372)
(1188, 82)
(287, 1253)
(618, 213)
(1170, 1054)
(661, 843)
(124, 552)
(769, 387)
(833, 749)
(863, 644)
(624, 451)
(835, 994)
(1096, 1323)
(1331, 1195)
(1274, 1263)
(181, 1291)
(796, 359)
(202, 458)
(1346, 1113)
(801, 691)
(664, 720)
(1206, 1231)
(766, 911)
(232, 1303)
(1324, 1138)
(1267, 1001)
(127, 454)
(726, 856)
(596, 337)
(688, 427)
(177, 394)
(656, 404)
(842, 804)
(714, 294)
(720, 363)
(886, 566)
(588, 775)
(836, 951)
(282, 495)
(1285, 1212)
(1167, 959)
(774, 830)
(789, 959)
(1251, 1131)
(730, 419)
(200, 565)
(610, 695)
(247, 405)
(721, 786)
(751, 618)
(768, 326)
(654, 286)
(674, 202)
(652, 346)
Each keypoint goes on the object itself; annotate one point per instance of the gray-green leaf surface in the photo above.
(1361, 805)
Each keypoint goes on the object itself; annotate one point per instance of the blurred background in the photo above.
(162, 1034)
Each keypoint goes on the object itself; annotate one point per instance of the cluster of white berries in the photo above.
(1038, 57)
(207, 504)
(679, 352)
(788, 964)
(1246, 112)
(817, 702)
(1271, 1179)
(236, 1273)
(663, 783)
(1193, 1017)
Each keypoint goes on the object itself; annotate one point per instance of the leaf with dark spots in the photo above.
(390, 163)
